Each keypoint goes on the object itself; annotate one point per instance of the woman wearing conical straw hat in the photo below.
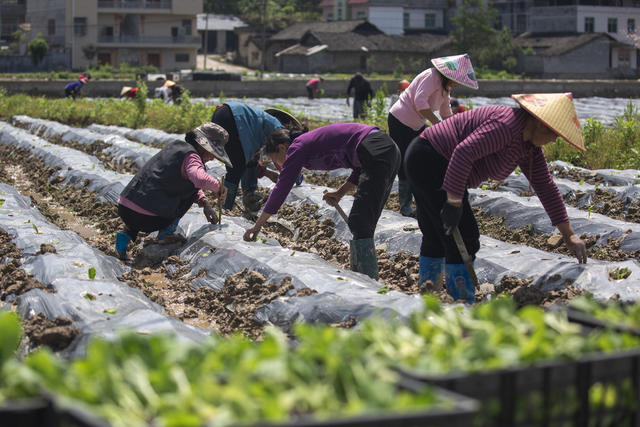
(466, 150)
(429, 91)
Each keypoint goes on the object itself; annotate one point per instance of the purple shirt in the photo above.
(326, 148)
(487, 142)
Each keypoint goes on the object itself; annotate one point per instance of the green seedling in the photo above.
(2, 202)
(36, 229)
(110, 311)
(384, 289)
(293, 253)
(590, 210)
(92, 273)
(263, 240)
(89, 296)
(620, 273)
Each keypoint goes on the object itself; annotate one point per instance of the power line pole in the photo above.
(264, 38)
(206, 41)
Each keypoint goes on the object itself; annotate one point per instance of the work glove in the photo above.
(210, 214)
(450, 216)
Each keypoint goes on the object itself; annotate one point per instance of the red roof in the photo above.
(358, 1)
(326, 3)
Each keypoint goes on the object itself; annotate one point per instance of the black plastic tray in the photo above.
(553, 393)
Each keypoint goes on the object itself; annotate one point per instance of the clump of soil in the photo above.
(227, 310)
(56, 333)
(13, 279)
(399, 272)
(494, 227)
(524, 293)
(323, 179)
(576, 175)
(605, 203)
(46, 248)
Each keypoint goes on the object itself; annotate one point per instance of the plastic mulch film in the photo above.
(84, 279)
(118, 147)
(146, 136)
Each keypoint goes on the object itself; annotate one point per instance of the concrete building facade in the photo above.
(217, 32)
(162, 33)
(393, 17)
(12, 14)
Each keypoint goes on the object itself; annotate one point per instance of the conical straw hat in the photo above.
(457, 68)
(556, 110)
(125, 89)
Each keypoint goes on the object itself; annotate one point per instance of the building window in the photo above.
(406, 20)
(589, 24)
(521, 23)
(174, 32)
(107, 31)
(330, 16)
(186, 24)
(361, 14)
(429, 20)
(612, 25)
(51, 27)
(80, 26)
(339, 14)
(631, 25)
(182, 57)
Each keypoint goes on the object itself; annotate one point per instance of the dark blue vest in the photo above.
(159, 186)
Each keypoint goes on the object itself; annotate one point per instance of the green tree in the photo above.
(229, 7)
(38, 48)
(474, 33)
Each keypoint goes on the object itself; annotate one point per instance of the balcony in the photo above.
(134, 4)
(149, 41)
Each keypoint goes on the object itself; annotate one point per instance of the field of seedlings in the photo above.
(203, 328)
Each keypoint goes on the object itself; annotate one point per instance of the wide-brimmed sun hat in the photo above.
(212, 138)
(125, 89)
(289, 121)
(457, 68)
(169, 83)
(557, 112)
(403, 84)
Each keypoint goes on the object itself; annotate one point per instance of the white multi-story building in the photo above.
(161, 33)
(391, 16)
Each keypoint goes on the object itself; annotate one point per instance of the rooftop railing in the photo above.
(151, 40)
(134, 4)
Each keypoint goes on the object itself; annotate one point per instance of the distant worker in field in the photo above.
(369, 152)
(313, 87)
(428, 91)
(248, 128)
(169, 183)
(73, 89)
(129, 92)
(456, 107)
(362, 95)
(169, 92)
(85, 75)
(402, 86)
(466, 150)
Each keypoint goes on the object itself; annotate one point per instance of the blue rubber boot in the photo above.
(299, 179)
(169, 229)
(363, 257)
(122, 241)
(459, 284)
(232, 190)
(431, 269)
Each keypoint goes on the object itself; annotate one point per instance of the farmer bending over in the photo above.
(168, 184)
(248, 129)
(466, 150)
(367, 150)
(428, 91)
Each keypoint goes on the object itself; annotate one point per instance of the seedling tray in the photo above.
(597, 390)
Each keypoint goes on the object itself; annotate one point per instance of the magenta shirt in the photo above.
(424, 93)
(192, 169)
(313, 83)
(487, 142)
(326, 148)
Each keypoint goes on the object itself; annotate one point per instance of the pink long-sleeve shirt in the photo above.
(424, 93)
(487, 142)
(192, 169)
